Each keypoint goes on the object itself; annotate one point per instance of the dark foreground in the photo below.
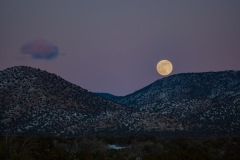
(136, 148)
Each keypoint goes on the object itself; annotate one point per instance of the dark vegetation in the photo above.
(35, 102)
(137, 148)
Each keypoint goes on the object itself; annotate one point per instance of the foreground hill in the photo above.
(33, 101)
(201, 102)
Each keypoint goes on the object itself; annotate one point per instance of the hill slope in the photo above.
(207, 102)
(35, 101)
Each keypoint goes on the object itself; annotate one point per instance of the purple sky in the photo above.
(114, 45)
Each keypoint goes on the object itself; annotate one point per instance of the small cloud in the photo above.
(40, 49)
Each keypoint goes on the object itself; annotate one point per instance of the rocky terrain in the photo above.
(202, 102)
(36, 102)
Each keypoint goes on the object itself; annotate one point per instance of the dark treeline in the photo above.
(136, 147)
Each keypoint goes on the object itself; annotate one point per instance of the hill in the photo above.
(37, 102)
(200, 102)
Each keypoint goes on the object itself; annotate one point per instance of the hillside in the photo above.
(36, 102)
(201, 102)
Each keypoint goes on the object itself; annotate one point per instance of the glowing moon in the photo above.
(164, 67)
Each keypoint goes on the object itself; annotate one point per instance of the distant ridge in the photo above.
(36, 102)
(109, 96)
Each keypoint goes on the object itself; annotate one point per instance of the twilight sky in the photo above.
(114, 45)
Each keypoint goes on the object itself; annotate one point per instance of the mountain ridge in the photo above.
(201, 101)
(163, 80)
(37, 101)
(33, 101)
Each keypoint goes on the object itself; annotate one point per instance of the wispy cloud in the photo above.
(40, 49)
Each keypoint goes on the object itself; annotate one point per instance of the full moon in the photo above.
(164, 67)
